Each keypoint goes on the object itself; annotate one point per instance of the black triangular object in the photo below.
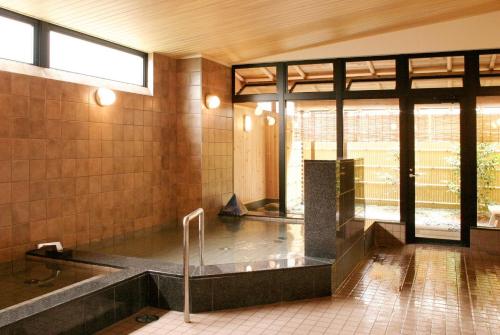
(234, 207)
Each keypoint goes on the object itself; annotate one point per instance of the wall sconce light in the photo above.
(105, 96)
(271, 121)
(212, 101)
(247, 123)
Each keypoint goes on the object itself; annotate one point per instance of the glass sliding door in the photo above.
(371, 133)
(435, 171)
(310, 134)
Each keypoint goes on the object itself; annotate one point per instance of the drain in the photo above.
(147, 318)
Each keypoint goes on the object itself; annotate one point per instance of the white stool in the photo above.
(495, 215)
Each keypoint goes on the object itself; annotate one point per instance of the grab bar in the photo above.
(200, 214)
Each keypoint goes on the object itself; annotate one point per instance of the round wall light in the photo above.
(212, 101)
(247, 123)
(105, 96)
(271, 121)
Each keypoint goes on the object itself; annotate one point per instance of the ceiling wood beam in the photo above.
(493, 60)
(268, 73)
(373, 72)
(449, 64)
(301, 72)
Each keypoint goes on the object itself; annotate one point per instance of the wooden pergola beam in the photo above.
(268, 73)
(373, 72)
(301, 72)
(493, 61)
(239, 77)
(449, 64)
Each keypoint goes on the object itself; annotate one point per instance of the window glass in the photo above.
(255, 80)
(310, 78)
(16, 39)
(371, 75)
(425, 72)
(77, 55)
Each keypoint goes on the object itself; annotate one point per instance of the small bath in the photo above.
(33, 278)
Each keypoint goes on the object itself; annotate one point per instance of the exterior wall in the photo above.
(76, 172)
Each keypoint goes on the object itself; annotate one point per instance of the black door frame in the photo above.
(409, 131)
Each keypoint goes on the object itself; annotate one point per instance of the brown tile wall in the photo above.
(217, 149)
(189, 137)
(205, 137)
(73, 171)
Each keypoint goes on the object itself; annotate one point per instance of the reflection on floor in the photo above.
(416, 289)
(227, 240)
(429, 222)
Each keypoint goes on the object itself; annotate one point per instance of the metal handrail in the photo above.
(200, 214)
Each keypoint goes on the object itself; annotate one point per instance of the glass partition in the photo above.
(311, 133)
(371, 135)
(256, 156)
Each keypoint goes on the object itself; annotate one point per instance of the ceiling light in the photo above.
(212, 101)
(105, 96)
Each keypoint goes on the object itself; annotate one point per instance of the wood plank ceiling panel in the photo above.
(233, 31)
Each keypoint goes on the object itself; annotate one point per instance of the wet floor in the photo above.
(415, 289)
(226, 241)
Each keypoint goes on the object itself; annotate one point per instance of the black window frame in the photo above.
(41, 48)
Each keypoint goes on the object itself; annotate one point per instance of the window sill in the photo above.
(36, 71)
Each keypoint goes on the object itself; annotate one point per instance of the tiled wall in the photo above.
(73, 171)
(188, 163)
(217, 148)
(205, 137)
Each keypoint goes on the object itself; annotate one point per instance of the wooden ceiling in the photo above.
(233, 31)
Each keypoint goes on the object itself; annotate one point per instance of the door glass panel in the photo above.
(437, 171)
(311, 133)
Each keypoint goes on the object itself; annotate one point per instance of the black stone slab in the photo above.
(320, 208)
